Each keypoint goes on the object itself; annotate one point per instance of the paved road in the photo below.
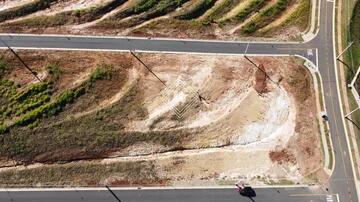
(163, 45)
(202, 195)
(341, 181)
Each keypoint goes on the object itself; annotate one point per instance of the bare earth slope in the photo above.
(102, 118)
(211, 19)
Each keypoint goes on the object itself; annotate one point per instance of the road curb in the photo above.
(140, 188)
(319, 92)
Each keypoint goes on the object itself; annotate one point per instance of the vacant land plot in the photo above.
(102, 118)
(220, 19)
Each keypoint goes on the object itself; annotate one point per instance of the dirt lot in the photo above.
(210, 19)
(104, 113)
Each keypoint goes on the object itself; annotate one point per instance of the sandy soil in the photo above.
(250, 136)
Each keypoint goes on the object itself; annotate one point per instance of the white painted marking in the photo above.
(310, 52)
(317, 59)
(329, 198)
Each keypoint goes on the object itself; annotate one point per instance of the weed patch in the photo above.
(85, 174)
(70, 17)
(54, 71)
(26, 9)
(253, 6)
(265, 17)
(219, 10)
(355, 48)
(162, 8)
(196, 10)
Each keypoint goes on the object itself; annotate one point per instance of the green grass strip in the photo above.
(70, 17)
(198, 9)
(265, 17)
(221, 9)
(25, 9)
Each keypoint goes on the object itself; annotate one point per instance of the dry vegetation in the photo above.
(221, 19)
(103, 119)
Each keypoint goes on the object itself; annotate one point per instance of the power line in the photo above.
(22, 62)
(112, 193)
(132, 53)
(266, 75)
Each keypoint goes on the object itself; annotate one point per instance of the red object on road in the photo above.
(238, 189)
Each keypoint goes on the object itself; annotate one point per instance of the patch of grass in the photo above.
(300, 80)
(321, 100)
(25, 9)
(51, 108)
(54, 71)
(91, 136)
(84, 174)
(161, 8)
(3, 129)
(144, 6)
(196, 10)
(14, 103)
(253, 6)
(327, 134)
(139, 7)
(351, 58)
(102, 72)
(69, 17)
(279, 182)
(35, 103)
(355, 116)
(3, 67)
(219, 10)
(354, 51)
(301, 17)
(265, 17)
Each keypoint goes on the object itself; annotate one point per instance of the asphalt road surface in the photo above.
(183, 195)
(319, 51)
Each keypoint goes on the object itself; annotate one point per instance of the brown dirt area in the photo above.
(131, 120)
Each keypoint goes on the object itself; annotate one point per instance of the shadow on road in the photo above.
(346, 65)
(347, 118)
(247, 192)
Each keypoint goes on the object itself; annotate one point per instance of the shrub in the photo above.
(3, 67)
(144, 6)
(102, 72)
(54, 71)
(51, 108)
(33, 91)
(3, 129)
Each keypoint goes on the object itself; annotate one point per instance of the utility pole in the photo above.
(351, 43)
(22, 62)
(347, 117)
